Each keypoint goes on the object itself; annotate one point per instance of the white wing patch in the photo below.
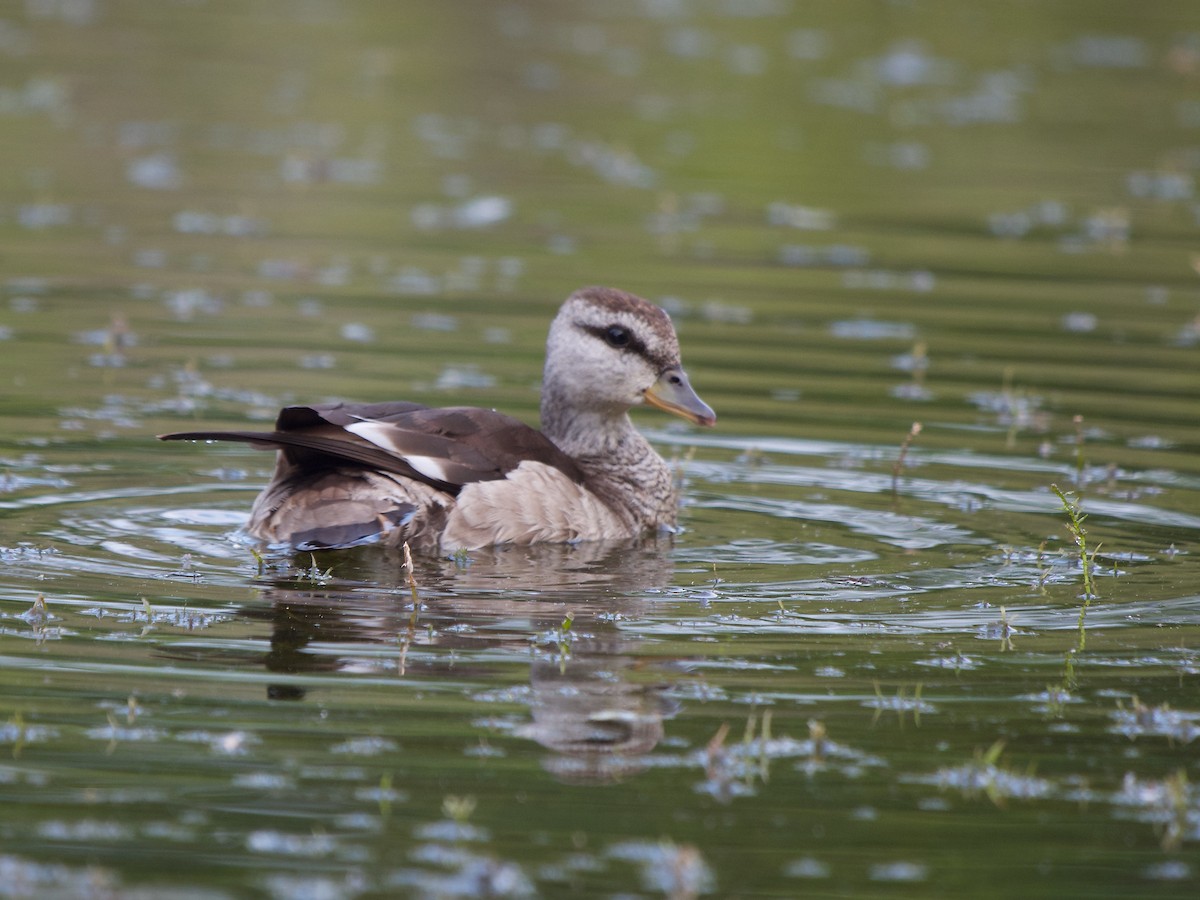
(378, 433)
(429, 466)
(381, 434)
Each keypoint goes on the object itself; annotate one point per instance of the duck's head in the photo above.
(609, 351)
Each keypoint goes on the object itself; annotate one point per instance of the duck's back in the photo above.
(438, 478)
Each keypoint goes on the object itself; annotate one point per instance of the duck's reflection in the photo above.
(594, 701)
(596, 711)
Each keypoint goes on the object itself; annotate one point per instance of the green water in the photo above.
(864, 669)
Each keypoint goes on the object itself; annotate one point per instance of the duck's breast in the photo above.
(533, 503)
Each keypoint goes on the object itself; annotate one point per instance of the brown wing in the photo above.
(444, 448)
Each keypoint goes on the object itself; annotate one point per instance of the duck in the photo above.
(450, 479)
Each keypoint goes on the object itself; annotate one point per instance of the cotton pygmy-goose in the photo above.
(463, 478)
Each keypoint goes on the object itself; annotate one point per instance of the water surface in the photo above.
(867, 666)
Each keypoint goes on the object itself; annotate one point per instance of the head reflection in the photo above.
(598, 710)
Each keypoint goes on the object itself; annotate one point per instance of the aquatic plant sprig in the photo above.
(314, 574)
(458, 809)
(1168, 803)
(1087, 558)
(901, 704)
(563, 638)
(762, 767)
(16, 728)
(1177, 805)
(737, 767)
(412, 580)
(408, 634)
(1070, 680)
(1003, 629)
(986, 774)
(903, 454)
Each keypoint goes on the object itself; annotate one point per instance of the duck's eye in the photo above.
(616, 336)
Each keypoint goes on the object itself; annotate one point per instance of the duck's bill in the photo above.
(673, 393)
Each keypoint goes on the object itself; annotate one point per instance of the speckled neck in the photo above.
(620, 465)
(635, 479)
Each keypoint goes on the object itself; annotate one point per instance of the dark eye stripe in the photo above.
(632, 345)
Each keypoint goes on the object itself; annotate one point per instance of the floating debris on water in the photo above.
(228, 743)
(901, 871)
(672, 869)
(985, 776)
(1141, 720)
(358, 333)
(366, 746)
(807, 867)
(872, 330)
(158, 172)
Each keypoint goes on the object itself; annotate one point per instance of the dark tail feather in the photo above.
(309, 451)
(311, 447)
(264, 438)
